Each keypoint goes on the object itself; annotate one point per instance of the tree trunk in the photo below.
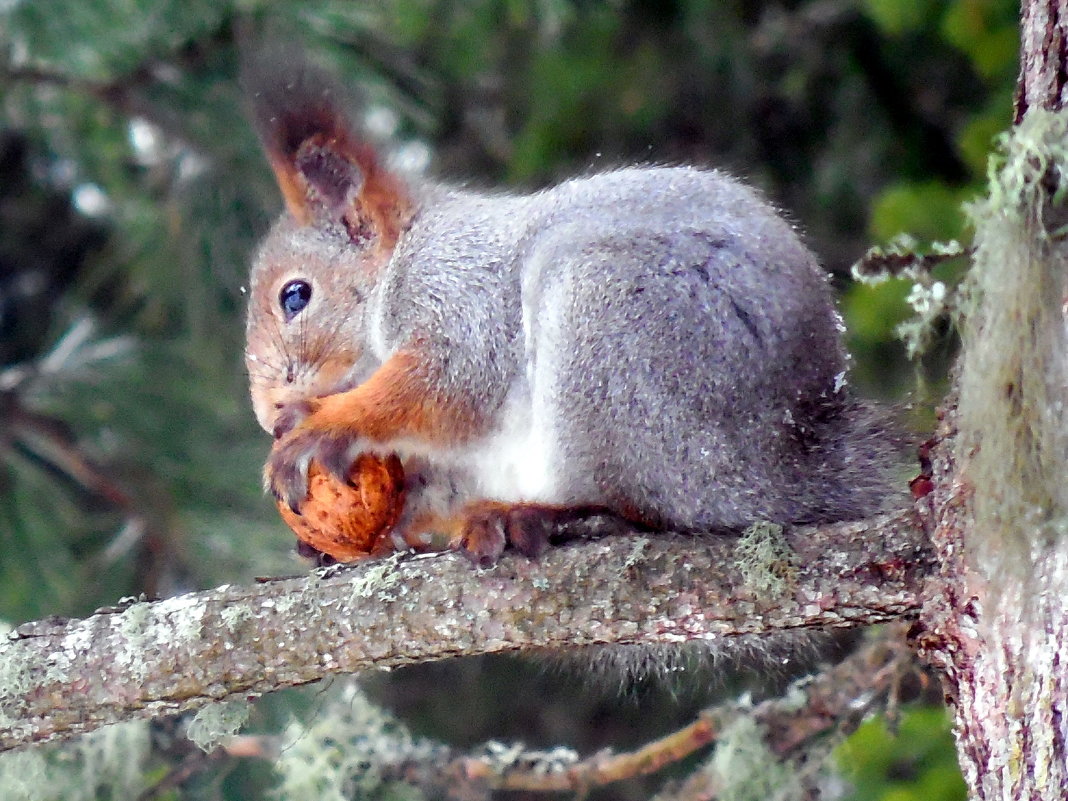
(1003, 652)
(996, 623)
(1043, 80)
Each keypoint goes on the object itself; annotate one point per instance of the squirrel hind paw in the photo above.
(488, 527)
(483, 537)
(318, 558)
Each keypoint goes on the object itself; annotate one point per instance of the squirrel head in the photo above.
(317, 267)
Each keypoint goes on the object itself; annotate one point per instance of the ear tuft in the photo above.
(326, 171)
(334, 179)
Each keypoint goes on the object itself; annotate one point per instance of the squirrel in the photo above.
(652, 342)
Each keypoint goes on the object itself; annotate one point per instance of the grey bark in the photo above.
(1003, 655)
(1043, 81)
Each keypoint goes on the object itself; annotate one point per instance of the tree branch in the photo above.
(60, 677)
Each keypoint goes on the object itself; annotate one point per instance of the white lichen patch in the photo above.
(746, 770)
(23, 774)
(234, 615)
(284, 603)
(55, 668)
(902, 247)
(503, 757)
(184, 615)
(132, 628)
(341, 754)
(78, 640)
(16, 678)
(216, 722)
(766, 561)
(636, 554)
(902, 257)
(188, 626)
(143, 625)
(378, 580)
(930, 299)
(106, 763)
(931, 302)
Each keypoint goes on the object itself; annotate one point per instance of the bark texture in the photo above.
(63, 677)
(1003, 655)
(1043, 81)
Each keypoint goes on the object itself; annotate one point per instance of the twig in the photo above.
(839, 699)
(123, 93)
(900, 258)
(602, 769)
(197, 761)
(832, 703)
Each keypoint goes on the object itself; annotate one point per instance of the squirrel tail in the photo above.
(864, 470)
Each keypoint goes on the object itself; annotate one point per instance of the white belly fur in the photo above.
(520, 461)
(516, 463)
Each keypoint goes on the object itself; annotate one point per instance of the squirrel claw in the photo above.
(286, 471)
(290, 416)
(319, 558)
(287, 481)
(336, 456)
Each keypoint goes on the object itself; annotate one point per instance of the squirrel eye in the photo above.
(294, 297)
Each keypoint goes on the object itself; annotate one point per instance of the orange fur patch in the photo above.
(294, 189)
(396, 402)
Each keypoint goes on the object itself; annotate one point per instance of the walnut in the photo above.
(350, 521)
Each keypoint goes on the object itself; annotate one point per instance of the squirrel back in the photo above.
(656, 342)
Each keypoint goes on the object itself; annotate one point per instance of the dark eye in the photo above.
(294, 297)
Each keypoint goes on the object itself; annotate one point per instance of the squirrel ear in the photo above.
(325, 171)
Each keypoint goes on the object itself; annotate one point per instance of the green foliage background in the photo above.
(132, 191)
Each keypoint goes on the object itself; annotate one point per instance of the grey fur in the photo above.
(660, 336)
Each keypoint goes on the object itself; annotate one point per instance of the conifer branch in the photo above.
(146, 659)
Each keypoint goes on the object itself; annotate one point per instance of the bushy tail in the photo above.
(865, 463)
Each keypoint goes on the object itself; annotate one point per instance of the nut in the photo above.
(350, 521)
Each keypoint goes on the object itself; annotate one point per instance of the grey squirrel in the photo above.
(652, 342)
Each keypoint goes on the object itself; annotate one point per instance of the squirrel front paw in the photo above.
(286, 473)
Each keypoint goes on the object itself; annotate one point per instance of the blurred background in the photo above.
(132, 191)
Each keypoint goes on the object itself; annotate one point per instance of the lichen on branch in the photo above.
(141, 659)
